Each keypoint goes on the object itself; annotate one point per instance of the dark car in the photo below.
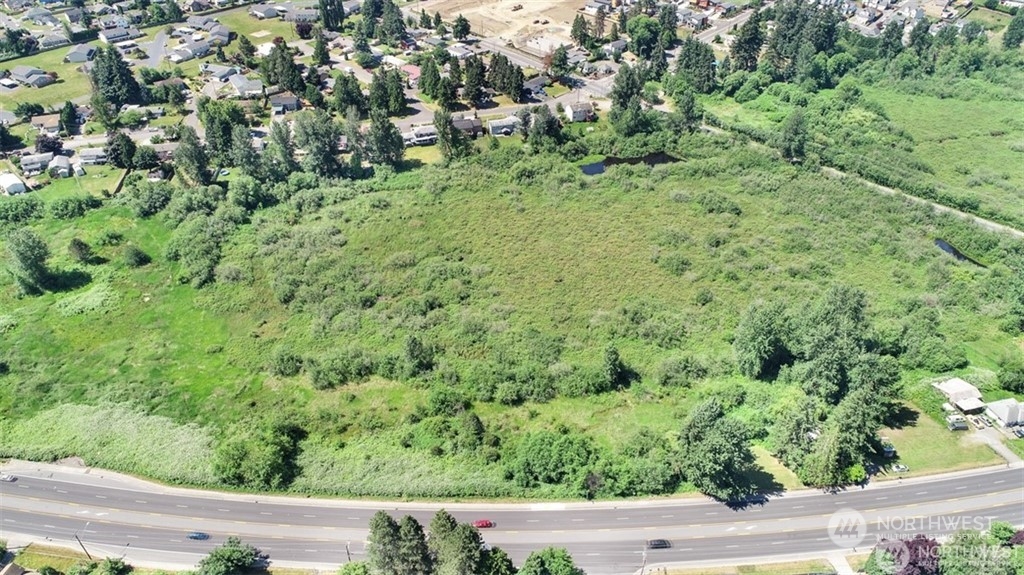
(198, 536)
(658, 544)
(483, 524)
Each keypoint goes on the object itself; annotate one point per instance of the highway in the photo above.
(113, 515)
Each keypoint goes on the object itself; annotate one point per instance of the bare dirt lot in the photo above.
(495, 18)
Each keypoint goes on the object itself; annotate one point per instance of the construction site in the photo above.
(517, 21)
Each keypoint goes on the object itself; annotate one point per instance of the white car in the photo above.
(6, 477)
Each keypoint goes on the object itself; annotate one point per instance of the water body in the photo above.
(949, 249)
(650, 159)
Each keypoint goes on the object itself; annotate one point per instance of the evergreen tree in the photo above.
(473, 87)
(242, 154)
(560, 62)
(245, 46)
(668, 18)
(321, 56)
(599, 22)
(383, 544)
(425, 21)
(120, 150)
(413, 554)
(793, 137)
(451, 141)
(396, 92)
(27, 254)
(689, 111)
(332, 15)
(279, 158)
(696, 65)
(550, 561)
(279, 69)
(437, 20)
(1014, 34)
(68, 118)
(460, 29)
(112, 78)
(430, 77)
(347, 93)
(613, 35)
(447, 94)
(392, 25)
(496, 562)
(191, 163)
(746, 48)
(219, 117)
(580, 32)
(384, 144)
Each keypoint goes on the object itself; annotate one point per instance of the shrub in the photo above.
(134, 257)
(110, 238)
(680, 371)
(80, 251)
(350, 364)
(18, 210)
(285, 362)
(674, 263)
(72, 207)
(445, 401)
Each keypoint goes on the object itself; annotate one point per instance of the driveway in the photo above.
(155, 50)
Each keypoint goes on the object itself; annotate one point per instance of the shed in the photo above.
(11, 185)
(1008, 412)
(956, 390)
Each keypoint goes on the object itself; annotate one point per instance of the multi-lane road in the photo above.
(114, 516)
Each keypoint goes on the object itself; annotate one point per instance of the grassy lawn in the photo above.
(425, 154)
(240, 22)
(992, 20)
(94, 182)
(556, 90)
(1017, 446)
(70, 84)
(928, 447)
(857, 562)
(35, 557)
(819, 566)
(776, 469)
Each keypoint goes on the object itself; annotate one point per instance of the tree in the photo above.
(696, 65)
(396, 91)
(688, 111)
(318, 134)
(760, 340)
(219, 117)
(460, 29)
(231, 558)
(25, 110)
(746, 48)
(1011, 375)
(355, 568)
(437, 20)
(279, 158)
(560, 62)
(599, 21)
(241, 152)
(644, 33)
(321, 56)
(347, 93)
(392, 25)
(191, 163)
(550, 561)
(430, 77)
(458, 551)
(891, 43)
(384, 542)
(332, 15)
(145, 158)
(1014, 34)
(245, 46)
(46, 144)
(279, 68)
(715, 453)
(120, 150)
(496, 562)
(384, 144)
(668, 19)
(580, 31)
(80, 251)
(447, 94)
(793, 137)
(112, 77)
(968, 553)
(475, 77)
(450, 140)
(68, 118)
(425, 21)
(27, 255)
(413, 554)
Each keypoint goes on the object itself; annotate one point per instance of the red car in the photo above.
(483, 524)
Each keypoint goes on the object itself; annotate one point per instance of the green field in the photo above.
(507, 257)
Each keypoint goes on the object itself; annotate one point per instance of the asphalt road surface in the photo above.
(149, 523)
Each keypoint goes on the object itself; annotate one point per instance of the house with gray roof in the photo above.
(263, 12)
(59, 167)
(92, 156)
(246, 87)
(80, 53)
(35, 163)
(31, 76)
(504, 126)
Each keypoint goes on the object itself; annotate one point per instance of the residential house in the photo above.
(196, 5)
(220, 35)
(504, 126)
(352, 7)
(17, 5)
(460, 51)
(10, 184)
(74, 15)
(961, 395)
(31, 76)
(579, 112)
(124, 5)
(471, 127)
(434, 42)
(302, 15)
(176, 82)
(165, 151)
(92, 156)
(246, 87)
(39, 16)
(1008, 412)
(80, 53)
(420, 136)
(48, 124)
(99, 9)
(135, 16)
(217, 71)
(263, 12)
(199, 49)
(59, 167)
(535, 87)
(594, 6)
(613, 47)
(413, 73)
(197, 22)
(35, 163)
(53, 40)
(727, 8)
(111, 21)
(284, 102)
(696, 20)
(116, 35)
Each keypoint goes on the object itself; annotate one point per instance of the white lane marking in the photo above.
(921, 493)
(621, 518)
(182, 506)
(310, 550)
(593, 554)
(265, 513)
(175, 540)
(777, 542)
(101, 497)
(352, 518)
(711, 513)
(961, 487)
(731, 529)
(1000, 481)
(9, 521)
(880, 498)
(667, 516)
(140, 501)
(751, 527)
(576, 520)
(49, 526)
(732, 546)
(132, 536)
(798, 507)
(310, 516)
(61, 491)
(533, 520)
(224, 510)
(24, 487)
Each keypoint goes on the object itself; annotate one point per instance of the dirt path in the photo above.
(987, 224)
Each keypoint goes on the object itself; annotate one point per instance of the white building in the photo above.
(961, 394)
(1008, 412)
(11, 184)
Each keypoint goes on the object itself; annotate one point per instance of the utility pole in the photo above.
(643, 566)
(80, 544)
(347, 551)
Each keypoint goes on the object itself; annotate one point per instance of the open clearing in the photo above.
(492, 18)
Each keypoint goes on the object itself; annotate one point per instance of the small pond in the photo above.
(949, 249)
(650, 159)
